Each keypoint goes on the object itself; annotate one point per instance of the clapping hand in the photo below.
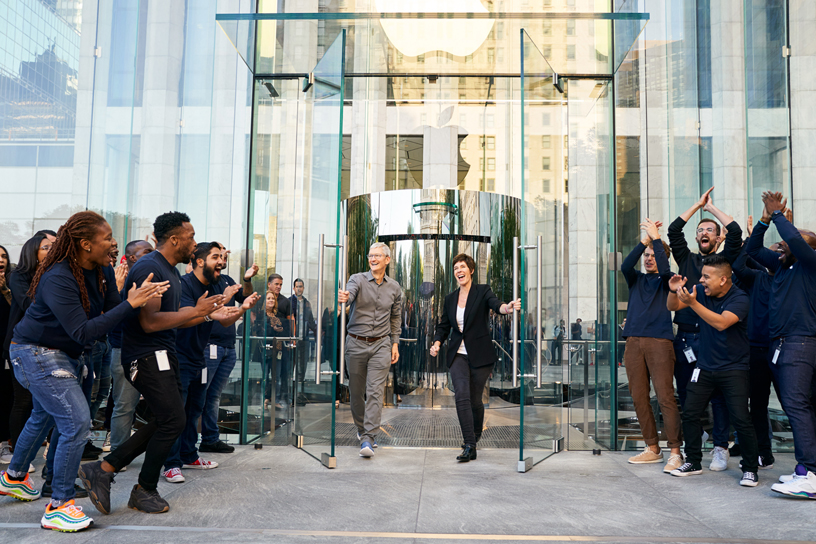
(705, 199)
(229, 292)
(250, 301)
(774, 202)
(207, 305)
(676, 282)
(138, 296)
(687, 297)
(652, 230)
(251, 272)
(121, 272)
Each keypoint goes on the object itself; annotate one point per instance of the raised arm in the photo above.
(755, 246)
(775, 206)
(744, 273)
(662, 260)
(630, 273)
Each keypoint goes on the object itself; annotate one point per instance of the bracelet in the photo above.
(207, 318)
(763, 222)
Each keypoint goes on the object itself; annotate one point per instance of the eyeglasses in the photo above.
(45, 248)
(709, 230)
(375, 257)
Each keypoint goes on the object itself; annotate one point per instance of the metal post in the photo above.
(343, 279)
(515, 312)
(321, 239)
(539, 345)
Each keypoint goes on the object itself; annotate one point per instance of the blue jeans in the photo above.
(218, 372)
(682, 375)
(52, 378)
(102, 375)
(193, 394)
(796, 375)
(125, 400)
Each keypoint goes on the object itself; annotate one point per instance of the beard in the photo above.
(210, 275)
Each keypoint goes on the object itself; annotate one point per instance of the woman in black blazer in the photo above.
(470, 349)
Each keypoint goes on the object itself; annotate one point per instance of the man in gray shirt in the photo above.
(372, 342)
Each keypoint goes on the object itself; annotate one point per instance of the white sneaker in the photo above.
(785, 478)
(174, 476)
(106, 444)
(720, 459)
(798, 486)
(5, 453)
(31, 468)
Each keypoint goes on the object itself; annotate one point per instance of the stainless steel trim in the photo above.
(515, 312)
(321, 240)
(539, 346)
(343, 278)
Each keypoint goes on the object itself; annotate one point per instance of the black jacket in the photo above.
(478, 341)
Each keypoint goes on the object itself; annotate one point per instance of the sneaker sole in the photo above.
(367, 453)
(18, 497)
(176, 480)
(748, 483)
(684, 474)
(91, 495)
(197, 467)
(717, 469)
(668, 470)
(166, 509)
(803, 494)
(646, 462)
(64, 529)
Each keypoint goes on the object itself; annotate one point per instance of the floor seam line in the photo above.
(421, 486)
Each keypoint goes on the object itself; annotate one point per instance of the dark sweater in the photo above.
(690, 265)
(646, 315)
(793, 291)
(56, 318)
(757, 283)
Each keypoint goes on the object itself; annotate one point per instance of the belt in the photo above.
(369, 339)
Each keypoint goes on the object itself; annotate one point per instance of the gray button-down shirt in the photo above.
(375, 310)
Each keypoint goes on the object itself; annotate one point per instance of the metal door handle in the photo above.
(515, 312)
(319, 340)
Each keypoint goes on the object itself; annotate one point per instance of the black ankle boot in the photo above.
(468, 454)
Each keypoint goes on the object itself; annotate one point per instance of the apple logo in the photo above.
(460, 37)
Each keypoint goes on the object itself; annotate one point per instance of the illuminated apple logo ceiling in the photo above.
(414, 37)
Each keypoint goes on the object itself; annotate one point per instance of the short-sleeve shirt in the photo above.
(220, 335)
(728, 349)
(137, 343)
(192, 341)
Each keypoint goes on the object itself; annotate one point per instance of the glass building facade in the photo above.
(436, 127)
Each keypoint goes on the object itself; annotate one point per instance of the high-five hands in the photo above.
(774, 202)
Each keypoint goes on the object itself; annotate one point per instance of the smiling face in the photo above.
(114, 252)
(100, 246)
(271, 302)
(707, 237)
(275, 286)
(377, 260)
(462, 273)
(211, 266)
(4, 261)
(45, 247)
(713, 281)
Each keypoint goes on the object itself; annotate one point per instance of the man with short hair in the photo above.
(792, 320)
(151, 366)
(282, 374)
(192, 339)
(221, 357)
(372, 342)
(687, 340)
(723, 362)
(304, 322)
(649, 353)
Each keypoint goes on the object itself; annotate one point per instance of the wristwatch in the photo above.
(776, 213)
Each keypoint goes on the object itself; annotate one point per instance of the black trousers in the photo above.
(760, 393)
(162, 393)
(20, 410)
(468, 384)
(735, 386)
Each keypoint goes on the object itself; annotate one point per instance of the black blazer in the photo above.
(476, 335)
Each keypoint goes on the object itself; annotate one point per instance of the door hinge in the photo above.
(97, 52)
(786, 51)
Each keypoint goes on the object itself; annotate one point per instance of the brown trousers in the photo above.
(653, 358)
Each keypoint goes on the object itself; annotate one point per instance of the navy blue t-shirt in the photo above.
(136, 343)
(221, 335)
(56, 318)
(191, 341)
(757, 283)
(793, 291)
(728, 349)
(646, 314)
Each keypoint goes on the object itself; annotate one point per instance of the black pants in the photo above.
(760, 393)
(468, 384)
(557, 346)
(162, 392)
(20, 410)
(734, 386)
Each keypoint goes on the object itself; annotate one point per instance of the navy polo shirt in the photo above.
(192, 341)
(221, 335)
(136, 343)
(728, 349)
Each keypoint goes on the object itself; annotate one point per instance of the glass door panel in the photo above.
(317, 256)
(543, 113)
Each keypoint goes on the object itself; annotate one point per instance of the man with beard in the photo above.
(687, 340)
(792, 320)
(220, 355)
(151, 366)
(191, 343)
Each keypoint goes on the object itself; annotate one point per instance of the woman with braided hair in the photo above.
(71, 289)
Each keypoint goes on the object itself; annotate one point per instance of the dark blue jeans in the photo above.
(218, 372)
(53, 379)
(193, 394)
(102, 375)
(796, 375)
(682, 375)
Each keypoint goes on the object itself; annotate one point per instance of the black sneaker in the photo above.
(147, 501)
(47, 491)
(749, 479)
(98, 483)
(216, 447)
(90, 452)
(688, 469)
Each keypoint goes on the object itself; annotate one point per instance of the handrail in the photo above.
(501, 348)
